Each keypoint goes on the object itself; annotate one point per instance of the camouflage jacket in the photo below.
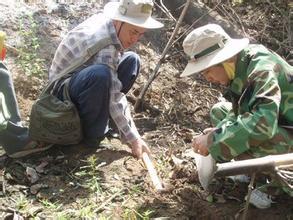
(262, 97)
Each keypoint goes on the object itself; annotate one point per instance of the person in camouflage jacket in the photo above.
(262, 107)
(257, 119)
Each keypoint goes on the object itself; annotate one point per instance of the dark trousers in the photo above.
(7, 88)
(15, 136)
(89, 90)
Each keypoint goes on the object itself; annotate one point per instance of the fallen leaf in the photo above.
(210, 198)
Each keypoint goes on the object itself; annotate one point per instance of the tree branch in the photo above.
(138, 102)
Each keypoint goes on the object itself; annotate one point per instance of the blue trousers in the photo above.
(89, 90)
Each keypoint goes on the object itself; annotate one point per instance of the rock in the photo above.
(34, 189)
(40, 168)
(32, 175)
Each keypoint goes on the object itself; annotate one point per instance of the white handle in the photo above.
(152, 172)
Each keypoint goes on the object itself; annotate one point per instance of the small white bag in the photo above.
(206, 167)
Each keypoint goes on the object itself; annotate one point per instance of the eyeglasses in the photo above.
(135, 33)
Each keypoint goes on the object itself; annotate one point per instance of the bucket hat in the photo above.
(135, 12)
(209, 45)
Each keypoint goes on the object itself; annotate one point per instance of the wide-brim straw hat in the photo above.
(135, 12)
(209, 45)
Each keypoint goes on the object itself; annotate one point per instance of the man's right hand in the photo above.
(138, 147)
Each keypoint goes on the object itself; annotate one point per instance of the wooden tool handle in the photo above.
(152, 172)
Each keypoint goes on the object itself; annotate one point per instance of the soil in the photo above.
(73, 182)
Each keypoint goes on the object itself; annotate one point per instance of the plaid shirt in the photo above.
(78, 42)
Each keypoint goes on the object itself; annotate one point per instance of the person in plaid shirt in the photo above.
(98, 83)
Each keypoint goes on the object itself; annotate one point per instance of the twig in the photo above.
(197, 20)
(3, 187)
(227, 14)
(232, 19)
(154, 74)
(287, 166)
(287, 20)
(165, 10)
(271, 4)
(289, 31)
(12, 49)
(107, 201)
(7, 210)
(2, 179)
(250, 188)
(240, 21)
(285, 176)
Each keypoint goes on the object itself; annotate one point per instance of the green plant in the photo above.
(91, 170)
(95, 185)
(235, 2)
(29, 59)
(62, 216)
(21, 203)
(102, 217)
(50, 205)
(136, 189)
(86, 212)
(161, 164)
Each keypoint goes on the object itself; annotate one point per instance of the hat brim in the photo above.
(111, 11)
(232, 47)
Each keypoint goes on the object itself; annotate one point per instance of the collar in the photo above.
(113, 35)
(240, 79)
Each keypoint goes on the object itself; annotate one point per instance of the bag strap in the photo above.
(90, 52)
(66, 95)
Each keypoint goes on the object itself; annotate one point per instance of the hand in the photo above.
(208, 130)
(138, 147)
(202, 142)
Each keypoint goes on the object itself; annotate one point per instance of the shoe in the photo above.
(259, 199)
(240, 178)
(112, 134)
(16, 142)
(113, 131)
(104, 142)
(30, 148)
